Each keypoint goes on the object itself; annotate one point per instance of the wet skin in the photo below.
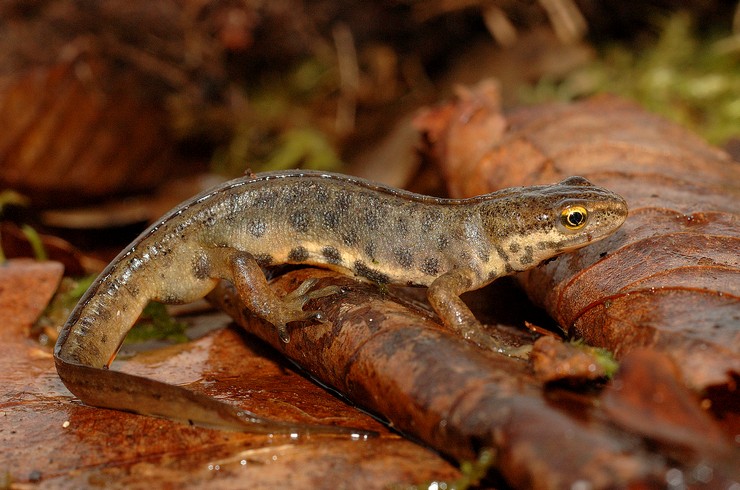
(360, 228)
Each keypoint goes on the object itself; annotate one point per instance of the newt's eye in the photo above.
(574, 217)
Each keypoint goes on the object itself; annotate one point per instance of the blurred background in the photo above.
(113, 111)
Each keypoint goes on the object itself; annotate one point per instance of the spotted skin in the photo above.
(360, 228)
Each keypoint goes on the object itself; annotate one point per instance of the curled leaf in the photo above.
(669, 279)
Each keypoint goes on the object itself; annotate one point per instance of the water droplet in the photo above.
(674, 478)
(703, 473)
(581, 485)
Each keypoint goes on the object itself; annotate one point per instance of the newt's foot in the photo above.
(293, 303)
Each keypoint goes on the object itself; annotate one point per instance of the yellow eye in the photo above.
(574, 217)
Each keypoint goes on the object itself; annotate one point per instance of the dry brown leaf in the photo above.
(647, 398)
(555, 361)
(47, 436)
(392, 359)
(59, 122)
(26, 287)
(670, 278)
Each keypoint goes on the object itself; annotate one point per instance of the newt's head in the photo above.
(537, 223)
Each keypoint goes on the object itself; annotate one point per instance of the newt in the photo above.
(374, 232)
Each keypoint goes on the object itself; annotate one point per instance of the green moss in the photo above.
(68, 293)
(307, 148)
(9, 198)
(603, 357)
(472, 474)
(34, 240)
(157, 324)
(474, 471)
(693, 81)
(281, 125)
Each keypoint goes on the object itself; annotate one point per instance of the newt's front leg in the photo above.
(444, 296)
(258, 297)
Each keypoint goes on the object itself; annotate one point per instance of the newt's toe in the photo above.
(283, 333)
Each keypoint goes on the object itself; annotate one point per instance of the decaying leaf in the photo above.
(670, 278)
(647, 398)
(47, 436)
(60, 121)
(556, 361)
(26, 286)
(392, 359)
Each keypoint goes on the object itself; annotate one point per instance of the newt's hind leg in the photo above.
(255, 293)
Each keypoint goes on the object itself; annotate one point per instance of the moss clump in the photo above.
(693, 81)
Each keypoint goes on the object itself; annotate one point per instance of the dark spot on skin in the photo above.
(547, 245)
(528, 256)
(207, 217)
(349, 237)
(430, 219)
(430, 266)
(363, 270)
(483, 254)
(180, 228)
(370, 250)
(263, 260)
(171, 299)
(343, 202)
(265, 199)
(201, 267)
(331, 255)
(404, 257)
(298, 254)
(508, 268)
(331, 219)
(493, 275)
(294, 194)
(514, 247)
(235, 205)
(321, 194)
(372, 219)
(443, 241)
(502, 253)
(402, 227)
(257, 228)
(300, 220)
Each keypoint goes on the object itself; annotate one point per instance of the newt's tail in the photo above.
(122, 391)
